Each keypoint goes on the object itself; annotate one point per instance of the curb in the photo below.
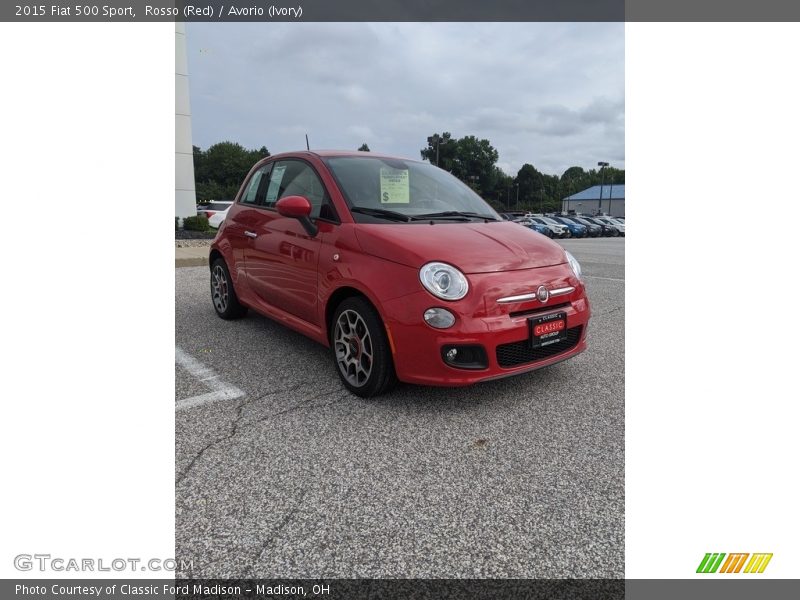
(191, 262)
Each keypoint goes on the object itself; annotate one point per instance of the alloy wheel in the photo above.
(353, 347)
(219, 288)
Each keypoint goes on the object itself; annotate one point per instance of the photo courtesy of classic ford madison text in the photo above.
(400, 271)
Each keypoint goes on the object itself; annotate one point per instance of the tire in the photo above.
(223, 295)
(355, 328)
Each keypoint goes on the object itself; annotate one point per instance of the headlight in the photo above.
(444, 281)
(576, 267)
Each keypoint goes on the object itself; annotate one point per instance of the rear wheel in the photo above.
(223, 296)
(360, 349)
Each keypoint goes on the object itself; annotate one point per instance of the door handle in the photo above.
(251, 234)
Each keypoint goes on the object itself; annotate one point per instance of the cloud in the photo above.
(550, 94)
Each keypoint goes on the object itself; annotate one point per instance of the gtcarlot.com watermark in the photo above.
(58, 564)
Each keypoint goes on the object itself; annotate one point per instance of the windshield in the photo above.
(390, 189)
(549, 221)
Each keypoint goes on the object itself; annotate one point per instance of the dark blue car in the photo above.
(575, 228)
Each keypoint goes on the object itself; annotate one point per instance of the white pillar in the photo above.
(185, 201)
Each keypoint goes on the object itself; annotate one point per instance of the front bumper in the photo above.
(500, 328)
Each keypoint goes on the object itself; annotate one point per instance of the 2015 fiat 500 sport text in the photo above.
(398, 267)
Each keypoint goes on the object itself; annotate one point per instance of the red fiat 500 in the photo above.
(398, 267)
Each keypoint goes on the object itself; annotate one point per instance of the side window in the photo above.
(251, 195)
(296, 178)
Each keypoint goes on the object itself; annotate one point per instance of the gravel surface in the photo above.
(522, 477)
(192, 243)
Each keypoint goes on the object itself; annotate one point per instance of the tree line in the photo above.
(220, 169)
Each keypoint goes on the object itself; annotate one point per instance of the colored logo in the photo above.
(713, 562)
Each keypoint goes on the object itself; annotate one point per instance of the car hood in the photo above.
(472, 247)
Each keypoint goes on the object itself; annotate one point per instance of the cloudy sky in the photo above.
(549, 94)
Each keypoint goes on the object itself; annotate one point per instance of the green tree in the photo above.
(470, 159)
(503, 193)
(363, 147)
(446, 147)
(474, 163)
(530, 183)
(220, 170)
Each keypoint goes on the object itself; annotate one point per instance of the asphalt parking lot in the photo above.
(282, 473)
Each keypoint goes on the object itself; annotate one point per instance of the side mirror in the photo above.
(297, 207)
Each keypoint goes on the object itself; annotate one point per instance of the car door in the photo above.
(243, 218)
(282, 258)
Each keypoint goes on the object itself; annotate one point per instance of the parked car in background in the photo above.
(208, 209)
(559, 229)
(576, 229)
(593, 229)
(399, 268)
(614, 223)
(216, 219)
(608, 230)
(537, 227)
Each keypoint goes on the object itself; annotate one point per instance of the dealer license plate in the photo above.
(547, 329)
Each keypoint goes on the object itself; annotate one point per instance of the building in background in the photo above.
(185, 201)
(589, 202)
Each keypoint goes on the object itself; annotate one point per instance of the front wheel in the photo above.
(360, 349)
(223, 296)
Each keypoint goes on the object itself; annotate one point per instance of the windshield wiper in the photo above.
(455, 213)
(382, 213)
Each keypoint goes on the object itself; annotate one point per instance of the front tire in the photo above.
(223, 295)
(360, 349)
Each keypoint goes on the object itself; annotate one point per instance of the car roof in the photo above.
(339, 153)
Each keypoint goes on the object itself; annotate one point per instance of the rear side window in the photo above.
(251, 195)
(297, 178)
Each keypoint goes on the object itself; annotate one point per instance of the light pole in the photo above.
(516, 185)
(602, 166)
(434, 141)
(610, 190)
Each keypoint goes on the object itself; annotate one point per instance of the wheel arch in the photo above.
(213, 256)
(338, 296)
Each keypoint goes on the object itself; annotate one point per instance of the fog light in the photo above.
(440, 318)
(465, 356)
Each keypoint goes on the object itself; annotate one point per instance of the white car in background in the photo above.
(218, 217)
(209, 208)
(211, 211)
(559, 230)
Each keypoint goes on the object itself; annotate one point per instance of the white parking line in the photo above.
(605, 278)
(219, 389)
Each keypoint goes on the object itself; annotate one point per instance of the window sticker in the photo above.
(275, 184)
(394, 186)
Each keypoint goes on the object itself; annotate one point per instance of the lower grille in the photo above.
(519, 353)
